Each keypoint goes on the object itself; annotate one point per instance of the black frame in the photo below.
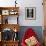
(30, 13)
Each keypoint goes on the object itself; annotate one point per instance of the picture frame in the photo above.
(30, 13)
(5, 12)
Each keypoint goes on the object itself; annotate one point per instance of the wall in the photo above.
(37, 29)
(39, 13)
(27, 3)
(37, 24)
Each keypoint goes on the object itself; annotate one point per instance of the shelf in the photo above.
(5, 12)
(9, 10)
(10, 26)
(5, 8)
(9, 19)
(11, 41)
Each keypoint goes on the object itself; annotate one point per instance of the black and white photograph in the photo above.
(30, 13)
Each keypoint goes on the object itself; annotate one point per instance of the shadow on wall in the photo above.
(37, 29)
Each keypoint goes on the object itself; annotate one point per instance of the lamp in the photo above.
(15, 3)
(15, 30)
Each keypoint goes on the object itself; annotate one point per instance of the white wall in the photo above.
(27, 3)
(39, 12)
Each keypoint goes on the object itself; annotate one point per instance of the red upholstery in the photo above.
(29, 33)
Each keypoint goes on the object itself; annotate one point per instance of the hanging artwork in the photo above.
(30, 13)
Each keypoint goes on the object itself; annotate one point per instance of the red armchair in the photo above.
(29, 34)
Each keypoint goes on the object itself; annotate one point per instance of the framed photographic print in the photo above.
(5, 12)
(30, 13)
